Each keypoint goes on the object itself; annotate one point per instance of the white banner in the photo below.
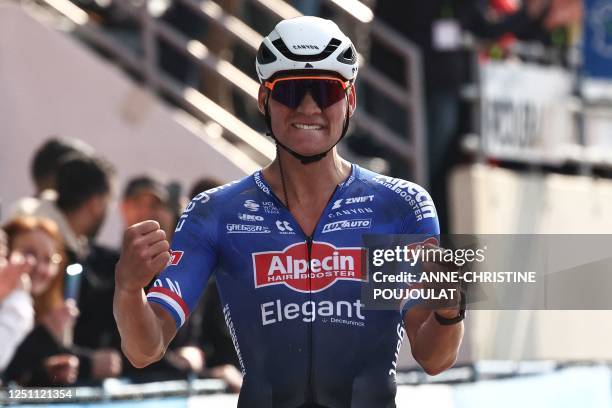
(525, 112)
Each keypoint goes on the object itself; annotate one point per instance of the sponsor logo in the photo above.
(305, 47)
(284, 227)
(352, 200)
(175, 257)
(328, 311)
(232, 331)
(260, 183)
(290, 267)
(250, 217)
(350, 211)
(246, 229)
(251, 205)
(412, 193)
(270, 208)
(401, 333)
(346, 225)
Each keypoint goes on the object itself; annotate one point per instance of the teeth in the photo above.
(307, 127)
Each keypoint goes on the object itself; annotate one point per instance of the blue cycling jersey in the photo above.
(291, 301)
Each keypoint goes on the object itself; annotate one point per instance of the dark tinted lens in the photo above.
(290, 93)
(325, 92)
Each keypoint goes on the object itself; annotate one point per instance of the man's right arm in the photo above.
(146, 329)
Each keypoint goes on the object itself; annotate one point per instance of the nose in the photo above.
(308, 106)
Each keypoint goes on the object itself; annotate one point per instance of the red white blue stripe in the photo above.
(171, 302)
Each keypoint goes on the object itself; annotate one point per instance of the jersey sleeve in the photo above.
(193, 258)
(420, 219)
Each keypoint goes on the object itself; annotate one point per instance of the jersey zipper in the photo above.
(310, 394)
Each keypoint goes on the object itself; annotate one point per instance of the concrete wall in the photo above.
(50, 84)
(488, 200)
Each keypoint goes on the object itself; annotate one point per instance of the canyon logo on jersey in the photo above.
(290, 266)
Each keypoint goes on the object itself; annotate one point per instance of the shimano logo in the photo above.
(305, 47)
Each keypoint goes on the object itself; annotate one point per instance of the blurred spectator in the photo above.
(44, 357)
(147, 197)
(203, 184)
(43, 170)
(83, 193)
(436, 27)
(47, 159)
(78, 205)
(16, 311)
(211, 329)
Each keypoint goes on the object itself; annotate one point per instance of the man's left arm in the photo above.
(434, 346)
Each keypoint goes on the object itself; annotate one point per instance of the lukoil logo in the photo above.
(251, 205)
(347, 224)
(290, 267)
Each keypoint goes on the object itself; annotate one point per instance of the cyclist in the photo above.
(285, 247)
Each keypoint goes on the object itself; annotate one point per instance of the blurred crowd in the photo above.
(56, 283)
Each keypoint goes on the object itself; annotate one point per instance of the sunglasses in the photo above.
(290, 91)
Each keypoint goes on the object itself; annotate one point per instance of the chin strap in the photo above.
(302, 158)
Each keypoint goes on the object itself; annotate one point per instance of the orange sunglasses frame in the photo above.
(270, 85)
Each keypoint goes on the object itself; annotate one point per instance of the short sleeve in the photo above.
(193, 259)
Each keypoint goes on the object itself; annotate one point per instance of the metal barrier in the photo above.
(410, 147)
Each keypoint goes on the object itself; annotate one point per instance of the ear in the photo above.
(261, 99)
(352, 99)
(94, 202)
(123, 208)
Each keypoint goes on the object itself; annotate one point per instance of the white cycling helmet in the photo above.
(306, 44)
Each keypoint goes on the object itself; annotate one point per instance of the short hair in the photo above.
(48, 157)
(203, 184)
(147, 183)
(80, 178)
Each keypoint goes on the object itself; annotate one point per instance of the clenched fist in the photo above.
(144, 254)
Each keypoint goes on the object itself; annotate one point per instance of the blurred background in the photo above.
(116, 111)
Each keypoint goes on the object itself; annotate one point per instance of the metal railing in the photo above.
(410, 147)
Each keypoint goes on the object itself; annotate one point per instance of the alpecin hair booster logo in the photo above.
(289, 267)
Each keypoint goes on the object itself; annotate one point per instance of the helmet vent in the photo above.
(349, 56)
(264, 55)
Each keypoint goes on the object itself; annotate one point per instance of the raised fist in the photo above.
(145, 253)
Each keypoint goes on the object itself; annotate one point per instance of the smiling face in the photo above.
(308, 129)
(43, 248)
